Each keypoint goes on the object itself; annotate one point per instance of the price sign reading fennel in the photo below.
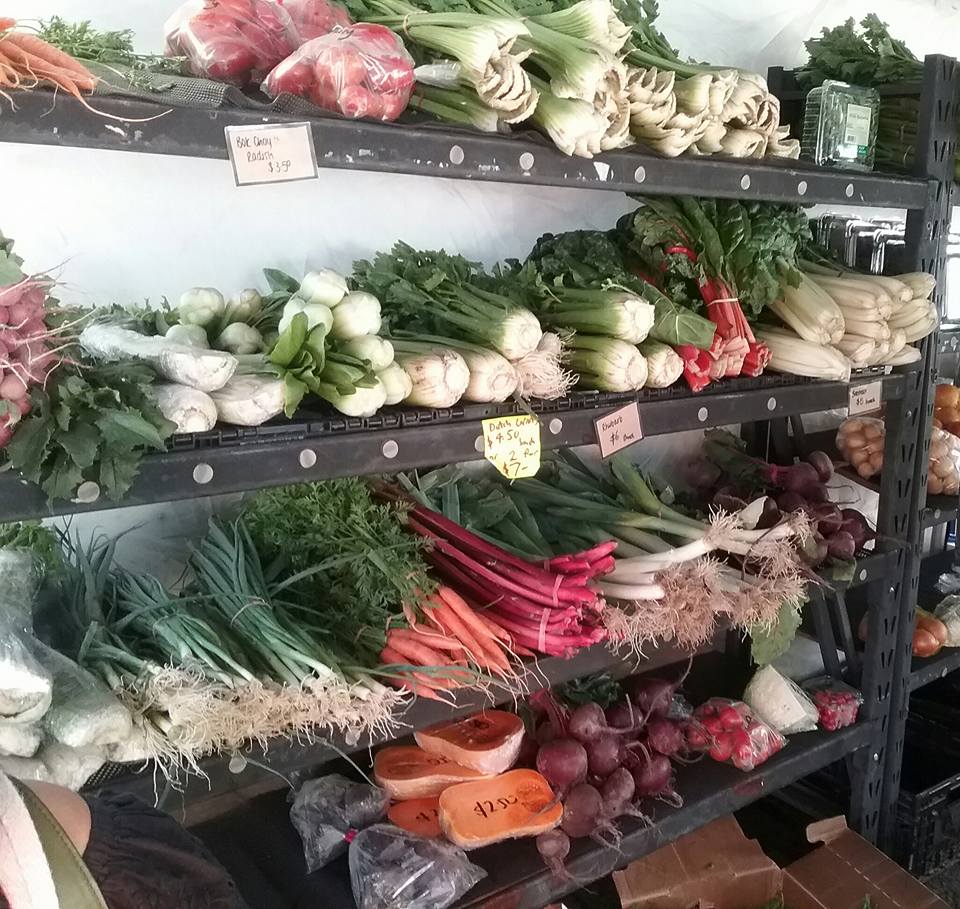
(512, 445)
(271, 153)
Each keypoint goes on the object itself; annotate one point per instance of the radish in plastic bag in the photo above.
(314, 18)
(236, 41)
(361, 71)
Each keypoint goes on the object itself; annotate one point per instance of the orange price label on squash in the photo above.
(512, 445)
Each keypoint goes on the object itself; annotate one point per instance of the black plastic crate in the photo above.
(928, 809)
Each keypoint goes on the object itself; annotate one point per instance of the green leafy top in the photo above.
(91, 424)
(751, 246)
(381, 566)
(871, 58)
(32, 535)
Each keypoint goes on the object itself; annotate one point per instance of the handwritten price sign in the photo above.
(512, 445)
(271, 153)
(618, 430)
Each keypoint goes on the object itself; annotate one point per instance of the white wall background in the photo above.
(124, 227)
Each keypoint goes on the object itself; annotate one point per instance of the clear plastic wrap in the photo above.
(737, 734)
(780, 702)
(837, 702)
(360, 71)
(948, 611)
(393, 869)
(328, 811)
(313, 18)
(235, 41)
(83, 710)
(943, 471)
(860, 440)
(25, 686)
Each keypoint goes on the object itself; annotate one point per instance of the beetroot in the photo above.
(603, 755)
(623, 715)
(554, 847)
(664, 736)
(587, 723)
(828, 518)
(617, 792)
(652, 776)
(582, 808)
(562, 762)
(652, 696)
(822, 463)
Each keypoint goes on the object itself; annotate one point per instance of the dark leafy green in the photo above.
(91, 424)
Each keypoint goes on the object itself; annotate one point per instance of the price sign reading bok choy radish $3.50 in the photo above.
(618, 430)
(512, 445)
(271, 153)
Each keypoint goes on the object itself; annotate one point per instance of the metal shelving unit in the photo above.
(319, 445)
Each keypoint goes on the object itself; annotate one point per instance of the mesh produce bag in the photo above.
(860, 440)
(235, 41)
(360, 71)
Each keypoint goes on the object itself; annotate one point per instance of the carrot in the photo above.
(499, 633)
(419, 689)
(459, 606)
(430, 639)
(415, 652)
(483, 654)
(51, 57)
(6, 24)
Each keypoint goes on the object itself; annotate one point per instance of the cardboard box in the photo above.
(717, 867)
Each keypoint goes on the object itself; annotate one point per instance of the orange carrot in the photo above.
(420, 690)
(483, 655)
(459, 607)
(415, 653)
(499, 633)
(51, 57)
(428, 638)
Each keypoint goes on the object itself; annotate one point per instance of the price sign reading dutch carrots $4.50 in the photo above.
(512, 445)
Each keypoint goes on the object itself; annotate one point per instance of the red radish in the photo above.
(730, 718)
(696, 736)
(722, 747)
(12, 388)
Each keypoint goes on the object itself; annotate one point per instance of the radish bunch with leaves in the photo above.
(28, 350)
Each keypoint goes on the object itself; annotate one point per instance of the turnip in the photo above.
(582, 809)
(562, 763)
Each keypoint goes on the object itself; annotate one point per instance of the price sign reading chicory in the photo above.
(271, 153)
(618, 430)
(512, 445)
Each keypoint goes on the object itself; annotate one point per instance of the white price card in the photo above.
(865, 398)
(271, 153)
(618, 430)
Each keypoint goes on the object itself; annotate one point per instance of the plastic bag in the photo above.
(393, 869)
(25, 686)
(83, 710)
(780, 702)
(70, 767)
(235, 41)
(361, 71)
(861, 440)
(948, 611)
(943, 471)
(949, 582)
(19, 741)
(328, 811)
(837, 703)
(314, 18)
(738, 735)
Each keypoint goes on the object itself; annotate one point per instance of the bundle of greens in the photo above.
(725, 255)
(454, 335)
(872, 57)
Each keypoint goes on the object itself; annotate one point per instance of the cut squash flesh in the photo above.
(488, 741)
(514, 804)
(419, 816)
(409, 772)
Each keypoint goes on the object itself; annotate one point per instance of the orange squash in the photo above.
(419, 816)
(488, 741)
(514, 804)
(409, 772)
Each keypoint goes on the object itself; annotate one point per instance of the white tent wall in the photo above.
(122, 227)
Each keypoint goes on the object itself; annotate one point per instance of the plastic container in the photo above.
(840, 126)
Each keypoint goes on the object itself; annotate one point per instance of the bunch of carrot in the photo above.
(27, 61)
(454, 637)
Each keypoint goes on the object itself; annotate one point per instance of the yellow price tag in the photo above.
(512, 445)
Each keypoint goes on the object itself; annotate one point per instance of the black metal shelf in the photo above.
(222, 787)
(260, 834)
(923, 671)
(431, 149)
(320, 446)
